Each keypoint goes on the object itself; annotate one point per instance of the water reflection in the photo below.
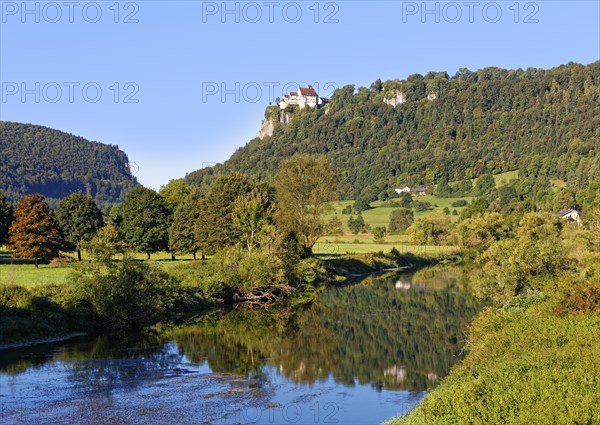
(387, 333)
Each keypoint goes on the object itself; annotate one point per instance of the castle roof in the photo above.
(307, 91)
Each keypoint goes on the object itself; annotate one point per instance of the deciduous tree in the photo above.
(305, 187)
(34, 233)
(79, 219)
(6, 218)
(182, 237)
(145, 221)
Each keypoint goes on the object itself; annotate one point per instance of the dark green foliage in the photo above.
(400, 220)
(360, 205)
(476, 207)
(459, 203)
(215, 228)
(79, 219)
(182, 235)
(38, 159)
(126, 294)
(484, 185)
(443, 189)
(420, 206)
(145, 218)
(542, 122)
(405, 199)
(6, 218)
(347, 210)
(43, 312)
(356, 225)
(379, 233)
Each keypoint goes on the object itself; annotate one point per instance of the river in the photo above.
(360, 354)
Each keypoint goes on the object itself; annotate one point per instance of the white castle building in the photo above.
(305, 96)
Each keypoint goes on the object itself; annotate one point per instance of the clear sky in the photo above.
(181, 84)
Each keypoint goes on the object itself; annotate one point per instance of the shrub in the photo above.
(460, 203)
(127, 294)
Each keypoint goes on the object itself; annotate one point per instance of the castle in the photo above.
(305, 96)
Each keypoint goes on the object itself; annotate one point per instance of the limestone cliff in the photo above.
(272, 121)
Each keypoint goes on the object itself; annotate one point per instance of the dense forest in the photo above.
(36, 159)
(545, 123)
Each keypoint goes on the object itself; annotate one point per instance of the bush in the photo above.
(460, 203)
(379, 233)
(127, 294)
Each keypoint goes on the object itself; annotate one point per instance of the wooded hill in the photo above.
(36, 159)
(545, 123)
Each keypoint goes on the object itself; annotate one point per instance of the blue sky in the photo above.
(180, 84)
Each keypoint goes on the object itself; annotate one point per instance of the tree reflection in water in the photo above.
(394, 332)
(378, 332)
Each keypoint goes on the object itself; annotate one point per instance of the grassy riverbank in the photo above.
(138, 293)
(527, 364)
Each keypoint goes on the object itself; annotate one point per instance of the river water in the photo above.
(360, 354)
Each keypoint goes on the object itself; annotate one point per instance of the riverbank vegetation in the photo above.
(257, 243)
(532, 355)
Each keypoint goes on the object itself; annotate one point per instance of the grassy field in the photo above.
(27, 275)
(503, 179)
(379, 216)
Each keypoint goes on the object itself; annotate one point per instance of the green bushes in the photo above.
(127, 294)
(460, 203)
(29, 315)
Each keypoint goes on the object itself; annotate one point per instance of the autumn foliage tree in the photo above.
(34, 233)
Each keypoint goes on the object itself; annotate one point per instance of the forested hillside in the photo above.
(36, 159)
(545, 123)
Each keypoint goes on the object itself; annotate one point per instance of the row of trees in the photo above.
(178, 219)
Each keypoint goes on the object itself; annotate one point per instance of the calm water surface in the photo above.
(360, 354)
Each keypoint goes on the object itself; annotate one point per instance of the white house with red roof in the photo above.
(305, 96)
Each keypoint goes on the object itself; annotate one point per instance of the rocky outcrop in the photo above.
(269, 124)
(398, 99)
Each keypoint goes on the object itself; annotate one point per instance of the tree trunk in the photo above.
(194, 254)
(79, 254)
(148, 256)
(203, 257)
(173, 256)
(36, 262)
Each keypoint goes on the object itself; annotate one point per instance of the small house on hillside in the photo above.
(570, 215)
(403, 189)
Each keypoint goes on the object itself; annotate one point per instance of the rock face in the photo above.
(399, 99)
(269, 124)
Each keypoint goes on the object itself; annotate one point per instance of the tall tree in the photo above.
(6, 218)
(175, 192)
(34, 233)
(305, 187)
(79, 219)
(215, 228)
(145, 221)
(401, 219)
(251, 212)
(182, 237)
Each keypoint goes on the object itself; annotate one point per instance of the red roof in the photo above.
(308, 91)
(293, 93)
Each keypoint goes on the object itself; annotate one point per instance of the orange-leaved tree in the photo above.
(34, 232)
